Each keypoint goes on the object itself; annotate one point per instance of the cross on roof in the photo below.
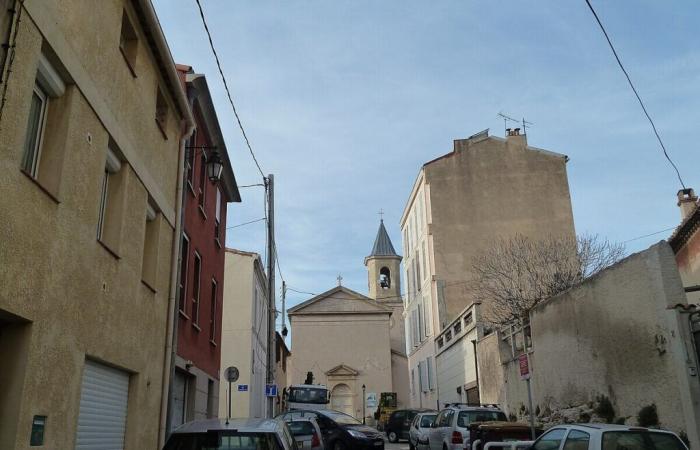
(340, 280)
(381, 214)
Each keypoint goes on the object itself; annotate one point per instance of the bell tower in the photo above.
(383, 268)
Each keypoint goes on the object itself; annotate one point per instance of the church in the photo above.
(353, 343)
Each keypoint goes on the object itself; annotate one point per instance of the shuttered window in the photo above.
(103, 408)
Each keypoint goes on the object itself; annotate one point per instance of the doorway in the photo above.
(341, 399)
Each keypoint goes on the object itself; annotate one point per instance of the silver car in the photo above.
(234, 434)
(450, 430)
(598, 436)
(418, 433)
(306, 432)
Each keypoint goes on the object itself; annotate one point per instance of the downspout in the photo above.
(476, 370)
(175, 258)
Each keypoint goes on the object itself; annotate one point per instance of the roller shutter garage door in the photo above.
(102, 416)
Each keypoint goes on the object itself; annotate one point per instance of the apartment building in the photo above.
(92, 135)
(244, 334)
(209, 185)
(486, 188)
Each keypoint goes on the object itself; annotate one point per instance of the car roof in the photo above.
(465, 407)
(609, 427)
(242, 425)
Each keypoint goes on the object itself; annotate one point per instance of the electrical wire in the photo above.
(246, 223)
(250, 185)
(641, 103)
(648, 235)
(228, 92)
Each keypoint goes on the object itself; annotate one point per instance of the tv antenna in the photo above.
(505, 121)
(525, 124)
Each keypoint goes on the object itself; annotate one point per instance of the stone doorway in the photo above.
(342, 399)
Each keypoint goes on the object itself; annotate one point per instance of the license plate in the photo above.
(300, 444)
(378, 443)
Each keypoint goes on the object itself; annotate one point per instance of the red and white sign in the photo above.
(524, 367)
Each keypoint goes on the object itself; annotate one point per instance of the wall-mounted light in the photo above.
(215, 167)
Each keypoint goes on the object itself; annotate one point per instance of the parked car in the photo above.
(486, 432)
(398, 424)
(220, 434)
(594, 436)
(306, 432)
(450, 429)
(418, 434)
(340, 431)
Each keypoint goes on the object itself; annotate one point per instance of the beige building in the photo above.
(349, 340)
(244, 328)
(486, 188)
(92, 139)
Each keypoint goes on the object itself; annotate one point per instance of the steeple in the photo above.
(383, 265)
(382, 243)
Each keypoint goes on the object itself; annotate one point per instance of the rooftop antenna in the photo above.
(525, 122)
(505, 121)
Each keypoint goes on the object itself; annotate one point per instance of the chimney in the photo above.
(513, 135)
(687, 201)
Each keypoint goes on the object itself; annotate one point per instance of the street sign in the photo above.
(242, 388)
(270, 390)
(231, 374)
(524, 367)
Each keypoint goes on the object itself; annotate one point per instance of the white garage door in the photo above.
(102, 417)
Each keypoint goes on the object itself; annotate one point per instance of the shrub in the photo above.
(605, 408)
(648, 417)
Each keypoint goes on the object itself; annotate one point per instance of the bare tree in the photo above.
(515, 274)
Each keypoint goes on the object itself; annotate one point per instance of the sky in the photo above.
(343, 101)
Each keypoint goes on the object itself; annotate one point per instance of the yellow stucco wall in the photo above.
(81, 300)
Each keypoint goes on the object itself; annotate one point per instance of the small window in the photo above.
(448, 336)
(184, 271)
(149, 267)
(440, 342)
(202, 190)
(111, 206)
(212, 320)
(384, 278)
(35, 131)
(458, 327)
(189, 162)
(128, 43)
(468, 319)
(162, 112)
(419, 278)
(196, 287)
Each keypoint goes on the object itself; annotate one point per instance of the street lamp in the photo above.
(364, 410)
(215, 165)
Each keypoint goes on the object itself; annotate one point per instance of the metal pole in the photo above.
(229, 403)
(284, 294)
(364, 408)
(532, 417)
(270, 183)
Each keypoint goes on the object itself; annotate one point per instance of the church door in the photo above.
(341, 399)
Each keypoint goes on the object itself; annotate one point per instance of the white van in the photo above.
(307, 396)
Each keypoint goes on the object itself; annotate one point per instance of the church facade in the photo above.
(348, 340)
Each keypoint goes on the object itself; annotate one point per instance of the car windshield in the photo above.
(307, 395)
(640, 440)
(301, 427)
(230, 441)
(467, 417)
(342, 419)
(427, 420)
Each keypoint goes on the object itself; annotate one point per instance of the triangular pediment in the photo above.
(340, 300)
(342, 371)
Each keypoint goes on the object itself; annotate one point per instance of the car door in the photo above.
(435, 436)
(406, 425)
(551, 440)
(577, 440)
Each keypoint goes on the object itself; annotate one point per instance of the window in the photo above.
(466, 417)
(577, 440)
(468, 319)
(196, 287)
(440, 342)
(384, 278)
(149, 266)
(458, 328)
(418, 276)
(217, 221)
(111, 203)
(212, 320)
(184, 266)
(128, 43)
(423, 257)
(162, 112)
(419, 310)
(189, 162)
(448, 336)
(551, 440)
(421, 379)
(613, 440)
(202, 182)
(428, 316)
(211, 404)
(35, 131)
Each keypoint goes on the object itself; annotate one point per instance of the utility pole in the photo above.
(270, 190)
(284, 295)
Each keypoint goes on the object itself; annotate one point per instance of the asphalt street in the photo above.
(401, 445)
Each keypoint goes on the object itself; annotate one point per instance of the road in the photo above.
(402, 445)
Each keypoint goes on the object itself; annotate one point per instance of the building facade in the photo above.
(685, 242)
(349, 341)
(195, 383)
(485, 189)
(92, 134)
(244, 334)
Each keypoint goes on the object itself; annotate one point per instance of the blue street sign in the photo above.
(270, 390)
(242, 388)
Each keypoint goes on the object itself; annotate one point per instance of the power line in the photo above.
(641, 103)
(251, 185)
(648, 235)
(228, 93)
(246, 223)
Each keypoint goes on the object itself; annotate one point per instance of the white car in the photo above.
(450, 430)
(222, 434)
(599, 436)
(418, 433)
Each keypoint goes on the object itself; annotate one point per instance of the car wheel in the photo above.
(393, 437)
(411, 446)
(338, 446)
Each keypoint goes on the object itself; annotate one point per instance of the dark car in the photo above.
(399, 423)
(340, 431)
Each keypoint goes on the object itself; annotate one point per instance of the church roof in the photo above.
(339, 300)
(382, 243)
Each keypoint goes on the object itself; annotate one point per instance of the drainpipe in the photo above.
(476, 369)
(175, 258)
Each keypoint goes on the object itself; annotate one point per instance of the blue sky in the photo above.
(344, 101)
